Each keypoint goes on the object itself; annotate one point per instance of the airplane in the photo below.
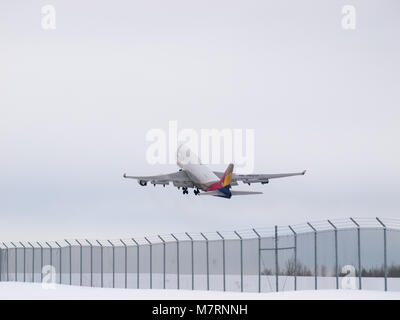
(194, 174)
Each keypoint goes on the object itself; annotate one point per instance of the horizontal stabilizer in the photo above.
(233, 192)
(243, 193)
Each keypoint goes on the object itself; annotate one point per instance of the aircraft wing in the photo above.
(179, 179)
(259, 178)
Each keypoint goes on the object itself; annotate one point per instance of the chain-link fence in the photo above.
(347, 253)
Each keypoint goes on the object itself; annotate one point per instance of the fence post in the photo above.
(6, 261)
(241, 260)
(24, 250)
(208, 270)
(1, 261)
(315, 256)
(113, 262)
(16, 260)
(51, 253)
(151, 262)
(33, 261)
(80, 268)
(41, 261)
(51, 257)
(223, 259)
(60, 261)
(384, 251)
(192, 254)
(126, 263)
(101, 263)
(336, 254)
(259, 259)
(70, 261)
(137, 262)
(177, 260)
(163, 260)
(91, 262)
(359, 252)
(276, 260)
(295, 257)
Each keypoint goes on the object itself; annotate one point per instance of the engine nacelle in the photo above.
(143, 182)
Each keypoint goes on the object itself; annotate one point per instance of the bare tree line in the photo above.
(292, 268)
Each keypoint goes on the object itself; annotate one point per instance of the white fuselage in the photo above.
(200, 174)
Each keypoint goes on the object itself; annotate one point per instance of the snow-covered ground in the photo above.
(18, 290)
(233, 282)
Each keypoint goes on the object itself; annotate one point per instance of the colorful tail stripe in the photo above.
(225, 180)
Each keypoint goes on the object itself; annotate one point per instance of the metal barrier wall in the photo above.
(347, 253)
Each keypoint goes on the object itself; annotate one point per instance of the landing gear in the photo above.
(196, 192)
(185, 190)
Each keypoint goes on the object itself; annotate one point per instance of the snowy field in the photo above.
(16, 290)
(233, 282)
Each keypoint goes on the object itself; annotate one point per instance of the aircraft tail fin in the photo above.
(227, 177)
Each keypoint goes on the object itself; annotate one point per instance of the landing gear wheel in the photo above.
(196, 192)
(185, 191)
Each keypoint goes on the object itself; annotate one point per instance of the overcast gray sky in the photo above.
(76, 104)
